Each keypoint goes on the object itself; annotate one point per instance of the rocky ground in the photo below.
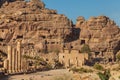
(63, 74)
(46, 75)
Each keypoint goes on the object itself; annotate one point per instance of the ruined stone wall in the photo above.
(74, 58)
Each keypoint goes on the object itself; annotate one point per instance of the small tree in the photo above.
(98, 66)
(58, 65)
(85, 49)
(104, 76)
(118, 56)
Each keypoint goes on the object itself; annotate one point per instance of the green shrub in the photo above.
(75, 69)
(82, 70)
(118, 56)
(119, 77)
(98, 67)
(104, 76)
(58, 65)
(48, 66)
(85, 49)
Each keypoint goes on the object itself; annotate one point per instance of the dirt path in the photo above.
(46, 75)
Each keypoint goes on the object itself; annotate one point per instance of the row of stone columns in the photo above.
(14, 62)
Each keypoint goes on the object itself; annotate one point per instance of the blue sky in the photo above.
(74, 8)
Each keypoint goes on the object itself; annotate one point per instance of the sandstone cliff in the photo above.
(100, 33)
(32, 23)
(41, 28)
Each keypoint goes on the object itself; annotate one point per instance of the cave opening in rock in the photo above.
(2, 30)
(20, 36)
(97, 53)
(1, 39)
(82, 42)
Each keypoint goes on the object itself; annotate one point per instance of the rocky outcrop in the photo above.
(41, 29)
(100, 33)
(32, 23)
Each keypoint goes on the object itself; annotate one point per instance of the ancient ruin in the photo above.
(29, 32)
(74, 58)
(14, 62)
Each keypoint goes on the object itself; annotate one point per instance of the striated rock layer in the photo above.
(41, 29)
(32, 23)
(100, 33)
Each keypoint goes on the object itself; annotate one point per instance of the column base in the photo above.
(13, 71)
(9, 71)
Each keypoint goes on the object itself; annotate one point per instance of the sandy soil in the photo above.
(46, 75)
(60, 73)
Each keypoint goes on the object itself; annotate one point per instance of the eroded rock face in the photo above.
(32, 23)
(100, 33)
(41, 28)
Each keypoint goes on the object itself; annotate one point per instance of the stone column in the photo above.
(16, 61)
(6, 64)
(10, 59)
(22, 61)
(19, 55)
(13, 60)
